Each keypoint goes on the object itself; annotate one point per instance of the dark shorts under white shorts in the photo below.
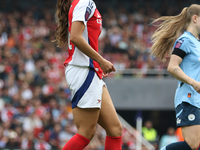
(187, 115)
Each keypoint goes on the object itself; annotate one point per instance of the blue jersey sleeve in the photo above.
(183, 44)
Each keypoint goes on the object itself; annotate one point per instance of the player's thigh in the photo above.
(108, 118)
(188, 118)
(86, 120)
(191, 135)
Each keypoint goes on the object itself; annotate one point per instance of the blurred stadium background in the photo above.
(35, 109)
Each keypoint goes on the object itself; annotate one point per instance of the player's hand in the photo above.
(105, 75)
(196, 86)
(106, 66)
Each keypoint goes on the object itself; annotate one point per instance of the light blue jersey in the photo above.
(190, 66)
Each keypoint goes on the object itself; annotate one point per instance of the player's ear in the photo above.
(194, 18)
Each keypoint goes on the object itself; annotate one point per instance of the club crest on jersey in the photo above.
(179, 43)
(87, 13)
(191, 117)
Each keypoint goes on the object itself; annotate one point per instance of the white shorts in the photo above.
(86, 87)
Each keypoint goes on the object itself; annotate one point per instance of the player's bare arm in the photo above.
(178, 73)
(78, 40)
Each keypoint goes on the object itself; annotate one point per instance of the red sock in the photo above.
(113, 143)
(77, 142)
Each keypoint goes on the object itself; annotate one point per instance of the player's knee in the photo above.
(87, 132)
(194, 146)
(115, 130)
(90, 133)
(193, 143)
(120, 129)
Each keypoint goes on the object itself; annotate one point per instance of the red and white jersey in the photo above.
(42, 146)
(85, 11)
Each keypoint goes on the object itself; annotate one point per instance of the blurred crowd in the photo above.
(35, 108)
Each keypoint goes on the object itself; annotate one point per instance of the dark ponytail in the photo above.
(61, 33)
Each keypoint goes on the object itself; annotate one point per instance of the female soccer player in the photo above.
(184, 65)
(80, 23)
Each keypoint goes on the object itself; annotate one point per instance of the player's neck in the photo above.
(193, 32)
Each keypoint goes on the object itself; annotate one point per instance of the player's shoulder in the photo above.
(184, 42)
(184, 38)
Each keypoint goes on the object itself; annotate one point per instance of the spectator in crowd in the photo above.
(41, 144)
(54, 137)
(12, 140)
(149, 133)
(65, 135)
(168, 138)
(27, 141)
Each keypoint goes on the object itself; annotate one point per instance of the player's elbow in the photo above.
(74, 39)
(169, 68)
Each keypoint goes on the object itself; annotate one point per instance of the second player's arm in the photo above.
(178, 73)
(77, 39)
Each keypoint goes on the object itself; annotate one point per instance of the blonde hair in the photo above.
(169, 30)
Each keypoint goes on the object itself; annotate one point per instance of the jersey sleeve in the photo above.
(83, 11)
(179, 53)
(183, 44)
